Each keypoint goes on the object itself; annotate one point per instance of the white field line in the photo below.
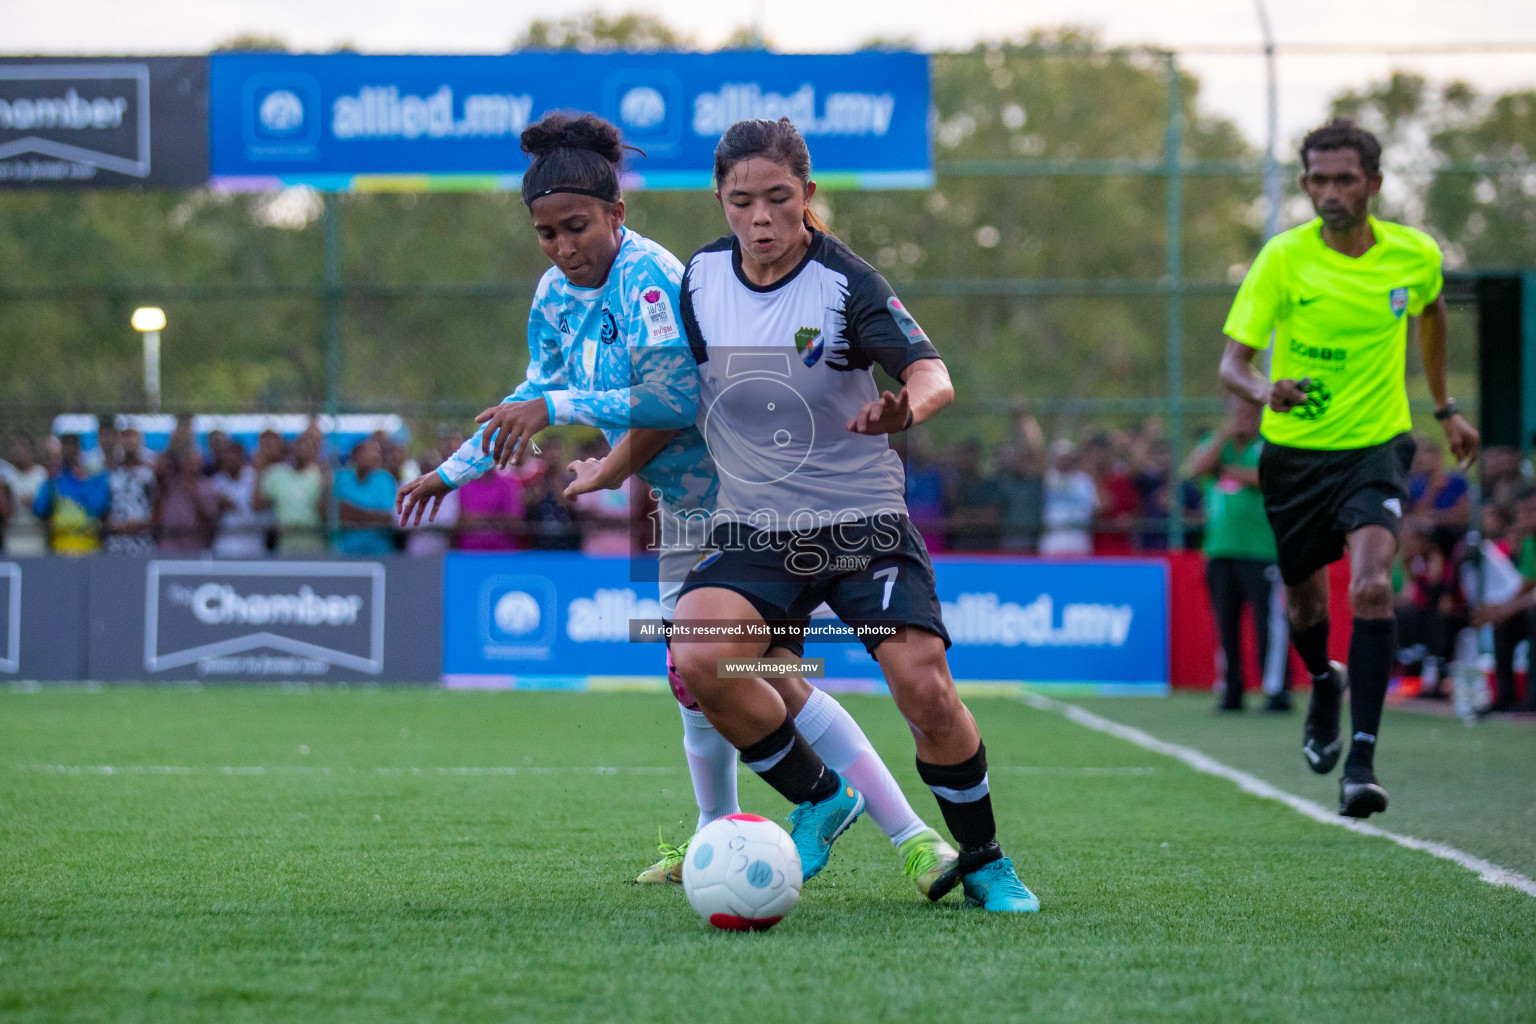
(1488, 871)
(175, 769)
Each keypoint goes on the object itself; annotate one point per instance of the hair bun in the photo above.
(561, 131)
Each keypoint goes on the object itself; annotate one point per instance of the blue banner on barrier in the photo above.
(349, 121)
(562, 621)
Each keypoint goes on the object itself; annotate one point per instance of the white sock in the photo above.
(711, 765)
(837, 738)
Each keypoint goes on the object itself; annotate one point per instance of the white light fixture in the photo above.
(148, 321)
(149, 318)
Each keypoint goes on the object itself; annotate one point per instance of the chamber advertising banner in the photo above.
(562, 621)
(323, 620)
(341, 122)
(72, 122)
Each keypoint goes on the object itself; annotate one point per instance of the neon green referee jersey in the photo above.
(1342, 322)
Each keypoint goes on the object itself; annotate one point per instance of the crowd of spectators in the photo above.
(288, 496)
(1109, 492)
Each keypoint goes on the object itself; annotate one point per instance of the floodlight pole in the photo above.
(1173, 275)
(152, 369)
(1272, 196)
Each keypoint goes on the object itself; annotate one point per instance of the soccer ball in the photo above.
(742, 873)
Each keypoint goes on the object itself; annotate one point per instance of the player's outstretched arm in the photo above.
(1459, 434)
(424, 493)
(638, 447)
(1243, 379)
(927, 389)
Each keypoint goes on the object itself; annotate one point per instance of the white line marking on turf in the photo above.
(1488, 871)
(177, 769)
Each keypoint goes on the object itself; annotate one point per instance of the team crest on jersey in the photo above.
(1399, 301)
(565, 324)
(610, 327)
(905, 321)
(810, 344)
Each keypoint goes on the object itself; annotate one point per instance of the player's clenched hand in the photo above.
(414, 497)
(513, 424)
(588, 476)
(886, 415)
(1285, 395)
(1463, 439)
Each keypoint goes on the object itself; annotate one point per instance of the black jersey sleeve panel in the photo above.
(878, 326)
(690, 321)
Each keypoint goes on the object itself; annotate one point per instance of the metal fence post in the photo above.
(333, 311)
(1174, 279)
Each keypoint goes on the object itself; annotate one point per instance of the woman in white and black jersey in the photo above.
(786, 324)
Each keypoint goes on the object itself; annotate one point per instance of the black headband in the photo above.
(605, 196)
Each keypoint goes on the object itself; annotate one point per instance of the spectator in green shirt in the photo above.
(1239, 544)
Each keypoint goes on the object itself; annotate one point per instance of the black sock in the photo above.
(1312, 644)
(966, 803)
(787, 763)
(1371, 649)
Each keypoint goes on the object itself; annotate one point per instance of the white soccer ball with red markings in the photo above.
(742, 873)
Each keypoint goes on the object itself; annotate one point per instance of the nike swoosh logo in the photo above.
(1304, 301)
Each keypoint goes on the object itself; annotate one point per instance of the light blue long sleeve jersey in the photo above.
(615, 357)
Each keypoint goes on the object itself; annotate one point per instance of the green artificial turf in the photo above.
(1474, 788)
(359, 862)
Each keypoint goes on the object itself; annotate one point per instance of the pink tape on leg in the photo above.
(679, 688)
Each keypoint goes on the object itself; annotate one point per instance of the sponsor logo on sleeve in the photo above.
(1399, 302)
(905, 321)
(660, 321)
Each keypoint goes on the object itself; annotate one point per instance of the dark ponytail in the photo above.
(779, 141)
(573, 154)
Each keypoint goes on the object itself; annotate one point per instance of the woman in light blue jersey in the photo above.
(607, 348)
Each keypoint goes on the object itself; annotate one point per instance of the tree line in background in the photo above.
(252, 339)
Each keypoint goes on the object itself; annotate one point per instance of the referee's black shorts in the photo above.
(1315, 498)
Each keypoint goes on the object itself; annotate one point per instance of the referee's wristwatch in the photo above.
(1446, 411)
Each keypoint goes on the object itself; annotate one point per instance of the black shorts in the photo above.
(1315, 498)
(872, 573)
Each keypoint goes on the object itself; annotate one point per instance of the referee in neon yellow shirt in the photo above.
(1337, 293)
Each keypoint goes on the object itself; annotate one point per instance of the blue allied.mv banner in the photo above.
(352, 122)
(562, 621)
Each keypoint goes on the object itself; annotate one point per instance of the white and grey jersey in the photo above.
(782, 369)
